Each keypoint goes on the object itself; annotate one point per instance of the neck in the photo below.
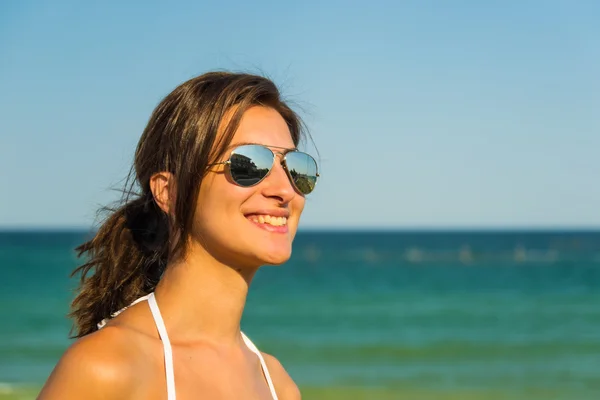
(201, 298)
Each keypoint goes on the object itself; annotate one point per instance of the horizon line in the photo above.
(334, 228)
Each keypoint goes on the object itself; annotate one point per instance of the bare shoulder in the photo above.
(285, 386)
(96, 366)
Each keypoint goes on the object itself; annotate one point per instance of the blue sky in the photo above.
(426, 114)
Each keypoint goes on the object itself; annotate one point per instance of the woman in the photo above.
(163, 292)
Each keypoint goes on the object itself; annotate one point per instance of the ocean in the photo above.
(382, 315)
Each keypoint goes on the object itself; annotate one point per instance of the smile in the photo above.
(269, 223)
(268, 219)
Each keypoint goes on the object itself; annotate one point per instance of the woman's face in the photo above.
(232, 222)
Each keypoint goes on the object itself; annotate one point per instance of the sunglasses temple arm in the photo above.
(220, 163)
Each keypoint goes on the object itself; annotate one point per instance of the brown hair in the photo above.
(131, 248)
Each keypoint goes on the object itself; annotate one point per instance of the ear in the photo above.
(162, 185)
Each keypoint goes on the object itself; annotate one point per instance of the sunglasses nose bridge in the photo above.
(279, 158)
(280, 165)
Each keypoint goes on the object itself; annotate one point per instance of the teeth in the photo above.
(269, 219)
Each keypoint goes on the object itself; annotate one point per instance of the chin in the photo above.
(269, 249)
(275, 258)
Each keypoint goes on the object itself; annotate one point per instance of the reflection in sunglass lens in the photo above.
(303, 169)
(250, 164)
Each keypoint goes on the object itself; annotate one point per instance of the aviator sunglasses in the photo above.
(249, 164)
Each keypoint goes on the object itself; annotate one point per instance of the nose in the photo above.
(277, 184)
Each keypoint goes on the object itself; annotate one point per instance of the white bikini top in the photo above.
(162, 331)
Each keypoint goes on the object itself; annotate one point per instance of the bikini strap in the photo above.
(101, 324)
(162, 331)
(263, 364)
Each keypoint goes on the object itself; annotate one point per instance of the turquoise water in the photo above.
(512, 311)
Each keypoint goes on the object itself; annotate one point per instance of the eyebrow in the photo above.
(231, 146)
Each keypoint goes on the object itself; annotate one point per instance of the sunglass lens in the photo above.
(250, 164)
(303, 169)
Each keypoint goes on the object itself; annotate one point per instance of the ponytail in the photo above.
(126, 259)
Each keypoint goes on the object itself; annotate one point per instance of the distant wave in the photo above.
(461, 255)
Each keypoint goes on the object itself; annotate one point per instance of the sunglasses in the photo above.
(249, 164)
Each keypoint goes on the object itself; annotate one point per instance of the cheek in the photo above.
(218, 198)
(298, 206)
(208, 204)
